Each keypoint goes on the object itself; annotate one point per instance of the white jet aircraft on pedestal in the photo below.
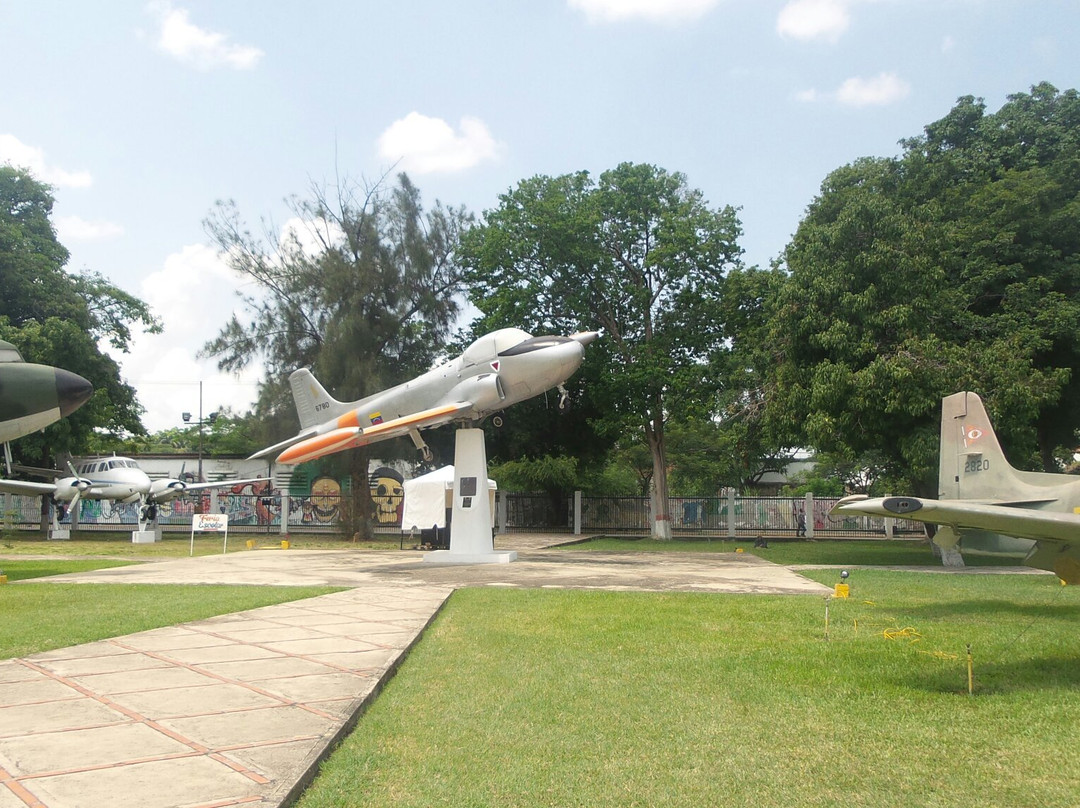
(497, 370)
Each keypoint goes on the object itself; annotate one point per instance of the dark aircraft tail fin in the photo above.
(313, 404)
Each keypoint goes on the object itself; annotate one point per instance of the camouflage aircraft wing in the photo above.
(349, 437)
(1057, 534)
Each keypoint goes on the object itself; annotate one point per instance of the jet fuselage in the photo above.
(497, 370)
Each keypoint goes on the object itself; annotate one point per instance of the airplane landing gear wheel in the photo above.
(498, 421)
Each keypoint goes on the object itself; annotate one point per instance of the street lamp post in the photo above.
(208, 420)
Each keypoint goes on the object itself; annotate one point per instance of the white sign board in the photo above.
(210, 523)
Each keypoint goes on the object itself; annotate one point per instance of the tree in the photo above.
(57, 318)
(954, 266)
(224, 434)
(361, 287)
(638, 254)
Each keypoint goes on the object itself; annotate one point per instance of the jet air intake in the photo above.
(484, 391)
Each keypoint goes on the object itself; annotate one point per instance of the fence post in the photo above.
(284, 527)
(577, 513)
(890, 525)
(500, 509)
(808, 514)
(731, 513)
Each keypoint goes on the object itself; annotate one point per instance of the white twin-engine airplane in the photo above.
(114, 478)
(986, 504)
(497, 370)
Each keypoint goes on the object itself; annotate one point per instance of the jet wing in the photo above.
(1057, 534)
(1009, 520)
(277, 447)
(338, 440)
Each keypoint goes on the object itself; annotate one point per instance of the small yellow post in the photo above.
(841, 590)
(971, 673)
(284, 544)
(3, 578)
(251, 544)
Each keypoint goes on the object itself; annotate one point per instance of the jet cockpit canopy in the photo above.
(491, 345)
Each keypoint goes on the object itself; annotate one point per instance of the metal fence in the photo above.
(704, 517)
(691, 516)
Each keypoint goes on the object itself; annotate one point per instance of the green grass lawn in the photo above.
(836, 551)
(21, 569)
(542, 697)
(40, 617)
(559, 697)
(174, 545)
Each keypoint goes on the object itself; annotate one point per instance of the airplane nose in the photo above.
(72, 391)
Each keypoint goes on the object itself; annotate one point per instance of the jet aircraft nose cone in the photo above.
(584, 337)
(72, 391)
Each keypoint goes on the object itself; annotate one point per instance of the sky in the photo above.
(141, 116)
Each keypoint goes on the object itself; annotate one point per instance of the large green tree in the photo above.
(636, 253)
(362, 287)
(953, 266)
(58, 318)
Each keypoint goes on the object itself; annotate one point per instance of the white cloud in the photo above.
(75, 228)
(885, 88)
(194, 295)
(813, 19)
(17, 153)
(426, 145)
(670, 11)
(807, 96)
(311, 236)
(198, 47)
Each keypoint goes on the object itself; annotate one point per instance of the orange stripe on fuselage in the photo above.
(348, 419)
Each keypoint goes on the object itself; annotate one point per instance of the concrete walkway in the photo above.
(239, 709)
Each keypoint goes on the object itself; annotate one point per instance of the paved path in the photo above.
(238, 710)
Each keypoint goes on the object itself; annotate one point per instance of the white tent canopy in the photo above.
(427, 499)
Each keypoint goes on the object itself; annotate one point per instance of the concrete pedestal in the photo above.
(59, 534)
(148, 536)
(471, 523)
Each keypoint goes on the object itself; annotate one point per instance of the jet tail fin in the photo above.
(972, 464)
(313, 404)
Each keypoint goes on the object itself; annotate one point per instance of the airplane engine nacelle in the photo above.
(484, 391)
(169, 487)
(77, 485)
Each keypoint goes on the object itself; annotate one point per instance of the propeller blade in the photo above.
(75, 504)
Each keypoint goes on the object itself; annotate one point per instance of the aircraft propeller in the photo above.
(80, 484)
